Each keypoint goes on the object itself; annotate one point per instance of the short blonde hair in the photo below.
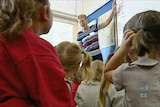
(82, 16)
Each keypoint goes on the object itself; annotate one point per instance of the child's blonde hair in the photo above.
(103, 93)
(86, 67)
(70, 55)
(97, 67)
(73, 59)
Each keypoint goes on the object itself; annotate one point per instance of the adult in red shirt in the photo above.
(31, 74)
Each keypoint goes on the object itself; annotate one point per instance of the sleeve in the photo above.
(77, 96)
(117, 78)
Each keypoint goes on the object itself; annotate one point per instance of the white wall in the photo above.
(76, 7)
(66, 6)
(89, 6)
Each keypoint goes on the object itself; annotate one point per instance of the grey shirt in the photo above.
(141, 82)
(87, 94)
(116, 98)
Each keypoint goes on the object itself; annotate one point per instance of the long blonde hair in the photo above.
(86, 67)
(17, 14)
(103, 93)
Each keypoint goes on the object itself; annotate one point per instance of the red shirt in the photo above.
(75, 86)
(31, 74)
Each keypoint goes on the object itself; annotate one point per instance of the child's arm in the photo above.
(118, 57)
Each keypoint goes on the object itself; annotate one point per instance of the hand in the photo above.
(114, 6)
(127, 40)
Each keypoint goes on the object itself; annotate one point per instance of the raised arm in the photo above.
(108, 21)
(119, 55)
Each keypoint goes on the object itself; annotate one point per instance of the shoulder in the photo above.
(95, 27)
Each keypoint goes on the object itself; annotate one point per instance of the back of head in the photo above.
(132, 22)
(70, 55)
(147, 27)
(73, 59)
(17, 14)
(97, 67)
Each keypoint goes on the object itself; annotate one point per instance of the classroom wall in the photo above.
(76, 7)
(73, 9)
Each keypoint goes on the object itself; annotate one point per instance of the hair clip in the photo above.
(80, 65)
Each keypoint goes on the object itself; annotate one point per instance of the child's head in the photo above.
(147, 27)
(17, 14)
(70, 55)
(72, 58)
(97, 67)
(131, 24)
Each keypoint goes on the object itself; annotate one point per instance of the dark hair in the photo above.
(147, 27)
(43, 1)
(133, 23)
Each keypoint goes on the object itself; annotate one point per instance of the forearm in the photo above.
(116, 60)
(108, 21)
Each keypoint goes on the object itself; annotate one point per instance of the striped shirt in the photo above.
(89, 39)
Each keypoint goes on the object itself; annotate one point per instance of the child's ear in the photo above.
(44, 14)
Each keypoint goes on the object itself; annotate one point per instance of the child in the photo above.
(139, 79)
(31, 74)
(83, 73)
(74, 61)
(87, 93)
(71, 57)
